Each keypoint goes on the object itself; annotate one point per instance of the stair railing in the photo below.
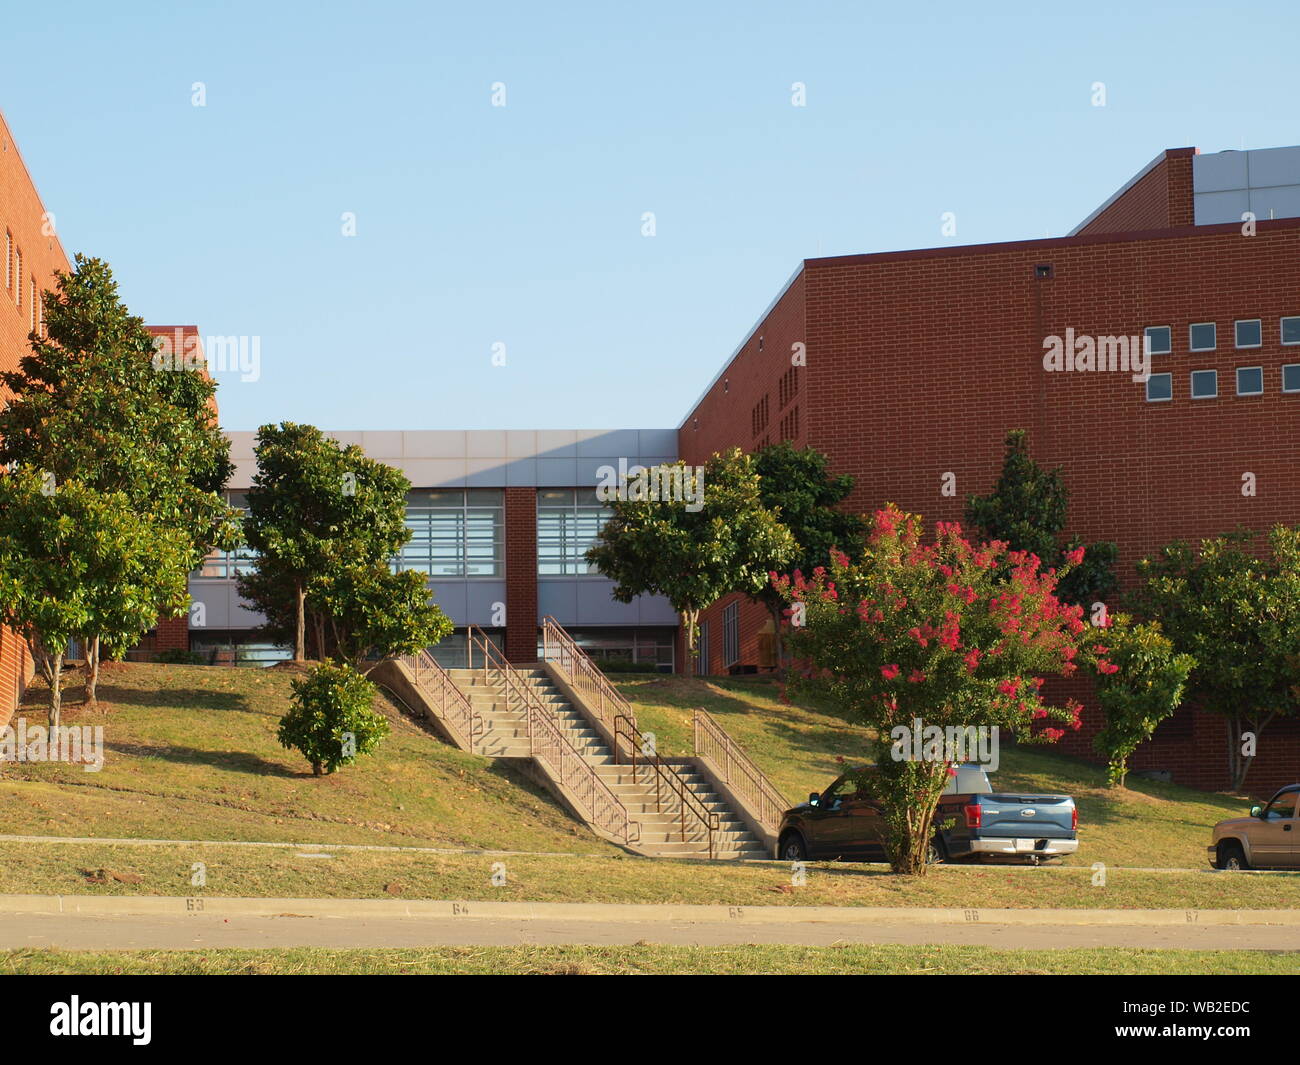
(452, 703)
(586, 678)
(548, 743)
(690, 808)
(738, 770)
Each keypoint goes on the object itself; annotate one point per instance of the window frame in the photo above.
(1160, 399)
(1281, 330)
(1191, 384)
(1191, 346)
(572, 563)
(1237, 375)
(1146, 335)
(1290, 366)
(731, 634)
(467, 512)
(1247, 321)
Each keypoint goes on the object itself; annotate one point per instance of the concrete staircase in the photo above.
(663, 828)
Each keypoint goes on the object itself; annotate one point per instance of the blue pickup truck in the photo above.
(972, 822)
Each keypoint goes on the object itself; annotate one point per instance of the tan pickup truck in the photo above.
(1268, 839)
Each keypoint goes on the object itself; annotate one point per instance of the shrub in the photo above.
(331, 718)
(178, 656)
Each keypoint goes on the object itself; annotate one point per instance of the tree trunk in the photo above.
(316, 769)
(300, 641)
(56, 691)
(690, 618)
(92, 669)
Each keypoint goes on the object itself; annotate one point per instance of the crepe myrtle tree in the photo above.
(1140, 682)
(950, 633)
(331, 717)
(711, 539)
(1233, 604)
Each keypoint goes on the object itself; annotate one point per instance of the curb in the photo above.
(623, 913)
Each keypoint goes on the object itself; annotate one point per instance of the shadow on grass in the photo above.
(237, 761)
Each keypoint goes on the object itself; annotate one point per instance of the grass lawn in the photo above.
(191, 753)
(851, 959)
(1148, 824)
(73, 868)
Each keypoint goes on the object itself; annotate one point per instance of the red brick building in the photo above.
(917, 363)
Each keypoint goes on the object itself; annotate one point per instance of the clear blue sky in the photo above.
(522, 225)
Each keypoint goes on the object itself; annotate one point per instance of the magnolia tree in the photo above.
(942, 636)
(1140, 682)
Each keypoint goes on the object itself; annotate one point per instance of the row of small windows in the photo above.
(13, 271)
(1204, 336)
(1204, 384)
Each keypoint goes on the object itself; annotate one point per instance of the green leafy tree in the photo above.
(324, 522)
(1234, 606)
(942, 635)
(72, 560)
(331, 718)
(1027, 508)
(1140, 682)
(92, 404)
(796, 483)
(690, 553)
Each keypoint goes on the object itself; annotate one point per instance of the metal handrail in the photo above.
(667, 778)
(586, 678)
(738, 770)
(452, 702)
(547, 742)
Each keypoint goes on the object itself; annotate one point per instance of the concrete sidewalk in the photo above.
(843, 916)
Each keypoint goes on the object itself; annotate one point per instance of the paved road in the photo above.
(209, 931)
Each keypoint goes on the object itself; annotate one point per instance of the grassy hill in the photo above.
(191, 753)
(1149, 824)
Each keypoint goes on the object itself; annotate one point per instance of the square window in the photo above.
(1291, 377)
(1201, 337)
(1249, 333)
(1159, 339)
(1291, 330)
(1205, 384)
(1160, 387)
(1250, 380)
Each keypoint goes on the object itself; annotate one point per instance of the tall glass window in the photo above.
(455, 532)
(569, 521)
(227, 565)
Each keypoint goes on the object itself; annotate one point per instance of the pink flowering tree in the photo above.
(947, 634)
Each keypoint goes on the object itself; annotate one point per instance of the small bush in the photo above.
(331, 718)
(176, 656)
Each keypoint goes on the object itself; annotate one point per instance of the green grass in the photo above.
(1147, 824)
(191, 753)
(61, 868)
(850, 959)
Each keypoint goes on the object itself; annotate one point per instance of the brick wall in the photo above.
(920, 362)
(521, 574)
(21, 223)
(1160, 199)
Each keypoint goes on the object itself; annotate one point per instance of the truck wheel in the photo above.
(1231, 856)
(936, 853)
(792, 848)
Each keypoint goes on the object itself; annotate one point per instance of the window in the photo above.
(455, 532)
(1202, 337)
(1291, 377)
(1290, 330)
(1250, 380)
(9, 260)
(789, 387)
(617, 649)
(569, 521)
(758, 417)
(227, 565)
(1160, 387)
(32, 305)
(1159, 339)
(1248, 333)
(18, 278)
(790, 425)
(730, 634)
(1205, 384)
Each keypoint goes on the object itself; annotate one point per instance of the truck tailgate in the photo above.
(1039, 816)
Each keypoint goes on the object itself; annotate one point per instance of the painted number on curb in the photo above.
(194, 905)
(735, 912)
(459, 909)
(972, 915)
(1193, 916)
